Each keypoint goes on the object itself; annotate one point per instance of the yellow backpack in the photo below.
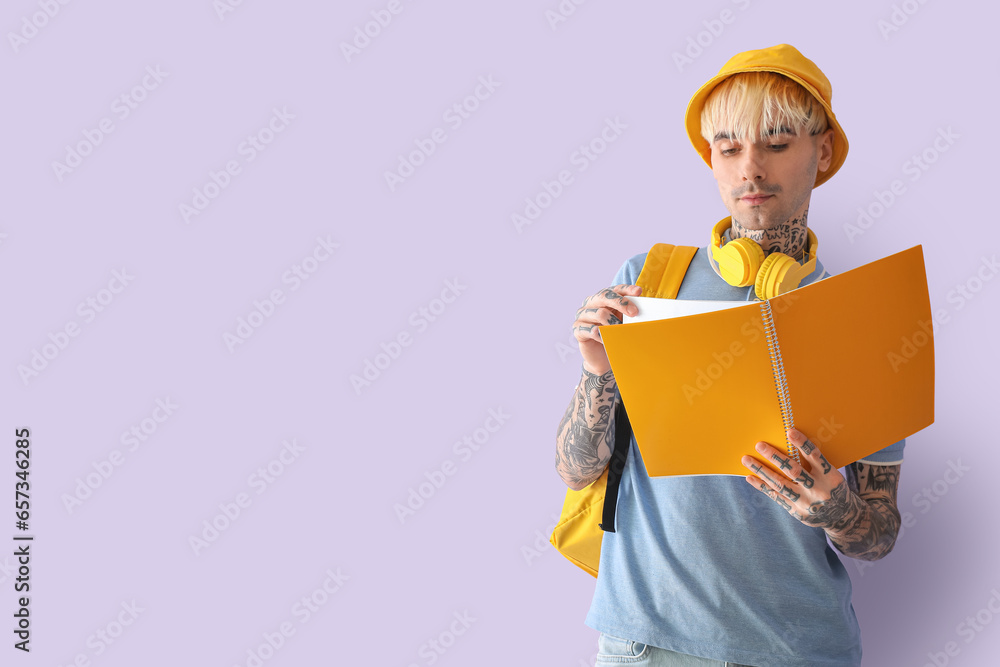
(589, 513)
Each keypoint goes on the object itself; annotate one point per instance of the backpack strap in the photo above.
(623, 439)
(661, 277)
(664, 270)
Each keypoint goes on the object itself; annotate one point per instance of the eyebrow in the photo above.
(727, 134)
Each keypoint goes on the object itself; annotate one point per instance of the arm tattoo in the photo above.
(877, 478)
(585, 437)
(861, 517)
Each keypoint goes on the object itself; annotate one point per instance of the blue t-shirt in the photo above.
(710, 566)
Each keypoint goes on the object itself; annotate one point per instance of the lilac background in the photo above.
(504, 342)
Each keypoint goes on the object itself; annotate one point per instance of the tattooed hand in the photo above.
(859, 527)
(605, 307)
(586, 433)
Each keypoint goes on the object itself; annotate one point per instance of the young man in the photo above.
(714, 570)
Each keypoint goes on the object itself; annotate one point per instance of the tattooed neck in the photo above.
(788, 237)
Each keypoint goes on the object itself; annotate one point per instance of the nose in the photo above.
(752, 163)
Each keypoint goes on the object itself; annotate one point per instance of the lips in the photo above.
(753, 200)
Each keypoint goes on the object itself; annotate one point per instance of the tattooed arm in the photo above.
(586, 433)
(858, 513)
(872, 520)
(585, 437)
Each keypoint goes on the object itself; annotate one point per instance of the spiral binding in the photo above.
(780, 381)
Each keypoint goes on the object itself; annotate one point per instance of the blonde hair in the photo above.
(757, 102)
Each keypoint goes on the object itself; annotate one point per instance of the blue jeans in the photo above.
(613, 650)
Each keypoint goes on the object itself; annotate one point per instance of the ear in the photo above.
(824, 146)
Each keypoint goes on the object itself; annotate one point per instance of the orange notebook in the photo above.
(848, 360)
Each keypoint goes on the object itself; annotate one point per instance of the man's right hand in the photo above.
(605, 307)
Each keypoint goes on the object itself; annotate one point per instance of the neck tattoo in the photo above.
(788, 237)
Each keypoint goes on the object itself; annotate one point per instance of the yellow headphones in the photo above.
(742, 263)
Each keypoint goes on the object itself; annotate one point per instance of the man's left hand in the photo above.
(819, 498)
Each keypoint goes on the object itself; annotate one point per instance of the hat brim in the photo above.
(692, 119)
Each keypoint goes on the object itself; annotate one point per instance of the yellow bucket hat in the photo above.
(782, 59)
